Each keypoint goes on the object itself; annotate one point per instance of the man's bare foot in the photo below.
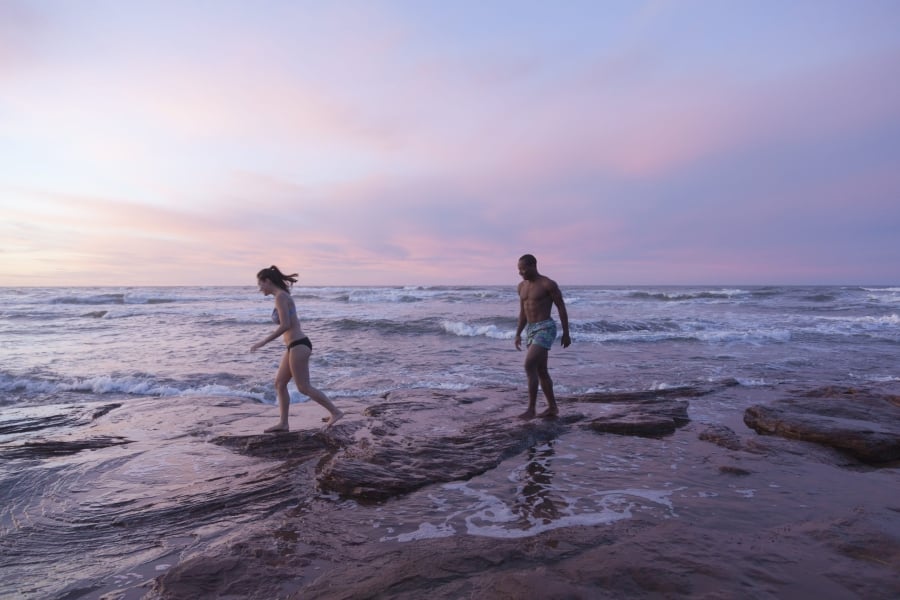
(528, 414)
(335, 417)
(550, 413)
(277, 428)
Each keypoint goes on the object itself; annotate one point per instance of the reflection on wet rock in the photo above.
(390, 466)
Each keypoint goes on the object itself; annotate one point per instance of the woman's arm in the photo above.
(284, 322)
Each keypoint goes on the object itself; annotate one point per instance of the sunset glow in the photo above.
(376, 143)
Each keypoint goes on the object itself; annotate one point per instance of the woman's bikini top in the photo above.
(292, 311)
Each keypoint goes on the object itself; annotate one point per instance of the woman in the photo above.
(295, 362)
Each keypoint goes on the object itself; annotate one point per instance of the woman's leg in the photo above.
(282, 378)
(299, 362)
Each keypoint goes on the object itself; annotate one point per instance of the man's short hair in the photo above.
(528, 259)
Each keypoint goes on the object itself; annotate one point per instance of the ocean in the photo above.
(110, 498)
(70, 344)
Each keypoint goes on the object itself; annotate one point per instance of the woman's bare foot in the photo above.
(550, 413)
(277, 428)
(528, 414)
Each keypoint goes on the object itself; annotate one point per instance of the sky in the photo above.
(425, 142)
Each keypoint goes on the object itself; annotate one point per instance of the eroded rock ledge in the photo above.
(390, 467)
(393, 453)
(861, 423)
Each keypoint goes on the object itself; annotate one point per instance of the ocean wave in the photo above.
(391, 295)
(430, 326)
(117, 299)
(138, 295)
(686, 296)
(11, 383)
(720, 336)
(886, 295)
(886, 320)
(96, 314)
(125, 385)
(821, 297)
(410, 294)
(92, 299)
(885, 327)
(462, 329)
(385, 326)
(379, 296)
(877, 378)
(604, 331)
(766, 292)
(607, 326)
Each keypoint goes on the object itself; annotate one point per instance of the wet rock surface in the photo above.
(389, 467)
(19, 421)
(622, 495)
(866, 425)
(655, 419)
(45, 449)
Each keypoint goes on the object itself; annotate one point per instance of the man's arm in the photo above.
(521, 324)
(557, 296)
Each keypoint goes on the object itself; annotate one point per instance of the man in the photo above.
(537, 295)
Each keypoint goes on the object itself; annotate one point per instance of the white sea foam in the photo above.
(465, 330)
(886, 327)
(487, 515)
(877, 378)
(890, 294)
(892, 320)
(426, 531)
(756, 336)
(492, 517)
(107, 384)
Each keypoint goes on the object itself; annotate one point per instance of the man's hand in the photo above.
(518, 342)
(566, 340)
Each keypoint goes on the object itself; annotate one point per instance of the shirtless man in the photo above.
(537, 295)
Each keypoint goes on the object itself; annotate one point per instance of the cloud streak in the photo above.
(383, 143)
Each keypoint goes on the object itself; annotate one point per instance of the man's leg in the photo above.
(547, 386)
(533, 359)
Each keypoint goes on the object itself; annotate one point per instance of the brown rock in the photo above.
(863, 424)
(648, 419)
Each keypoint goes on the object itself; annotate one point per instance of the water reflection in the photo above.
(535, 498)
(550, 486)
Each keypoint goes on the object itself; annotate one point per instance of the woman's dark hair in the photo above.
(275, 275)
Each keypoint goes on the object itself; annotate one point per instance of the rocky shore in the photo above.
(164, 498)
